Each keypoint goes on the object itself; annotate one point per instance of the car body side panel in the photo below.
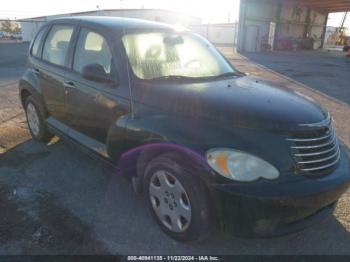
(52, 78)
(92, 107)
(30, 83)
(116, 138)
(51, 82)
(149, 127)
(150, 150)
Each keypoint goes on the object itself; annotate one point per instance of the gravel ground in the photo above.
(324, 71)
(54, 199)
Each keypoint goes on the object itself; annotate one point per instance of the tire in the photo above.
(164, 180)
(35, 121)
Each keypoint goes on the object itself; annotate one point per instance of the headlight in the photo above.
(240, 166)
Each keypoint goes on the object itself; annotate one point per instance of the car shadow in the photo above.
(71, 195)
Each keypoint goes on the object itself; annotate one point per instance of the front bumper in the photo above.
(291, 203)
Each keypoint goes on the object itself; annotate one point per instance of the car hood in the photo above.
(243, 102)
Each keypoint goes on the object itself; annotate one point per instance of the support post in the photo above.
(307, 29)
(278, 22)
(241, 25)
(324, 32)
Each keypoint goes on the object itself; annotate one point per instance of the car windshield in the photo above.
(172, 55)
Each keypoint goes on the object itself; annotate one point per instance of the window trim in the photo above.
(114, 73)
(66, 63)
(43, 30)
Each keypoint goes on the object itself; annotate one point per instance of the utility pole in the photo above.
(98, 10)
(341, 30)
(344, 19)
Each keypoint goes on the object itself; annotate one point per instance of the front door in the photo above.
(93, 106)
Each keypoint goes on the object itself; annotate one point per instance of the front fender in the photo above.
(191, 137)
(134, 161)
(147, 137)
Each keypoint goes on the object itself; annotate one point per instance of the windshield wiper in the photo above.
(174, 77)
(227, 74)
(180, 77)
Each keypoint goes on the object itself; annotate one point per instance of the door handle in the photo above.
(69, 84)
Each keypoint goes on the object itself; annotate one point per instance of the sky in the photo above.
(336, 18)
(211, 11)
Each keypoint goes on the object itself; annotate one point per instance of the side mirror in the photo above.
(96, 72)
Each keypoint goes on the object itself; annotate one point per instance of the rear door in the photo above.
(94, 107)
(52, 69)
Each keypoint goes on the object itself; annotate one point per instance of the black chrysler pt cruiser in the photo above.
(206, 144)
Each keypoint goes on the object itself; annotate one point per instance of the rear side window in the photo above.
(36, 44)
(91, 49)
(57, 43)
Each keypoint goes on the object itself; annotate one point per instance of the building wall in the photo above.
(29, 30)
(218, 34)
(30, 26)
(293, 22)
(163, 16)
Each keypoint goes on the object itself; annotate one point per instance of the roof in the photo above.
(329, 6)
(110, 10)
(111, 22)
(323, 6)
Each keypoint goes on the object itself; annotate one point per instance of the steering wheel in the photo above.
(153, 52)
(191, 62)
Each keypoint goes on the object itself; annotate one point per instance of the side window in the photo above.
(57, 43)
(36, 44)
(91, 49)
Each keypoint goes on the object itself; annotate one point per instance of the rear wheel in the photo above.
(177, 199)
(36, 124)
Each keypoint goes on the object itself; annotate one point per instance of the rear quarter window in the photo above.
(36, 44)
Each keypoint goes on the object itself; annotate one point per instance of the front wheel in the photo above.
(177, 199)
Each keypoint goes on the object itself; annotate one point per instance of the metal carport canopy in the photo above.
(328, 6)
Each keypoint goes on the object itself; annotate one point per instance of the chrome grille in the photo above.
(315, 152)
